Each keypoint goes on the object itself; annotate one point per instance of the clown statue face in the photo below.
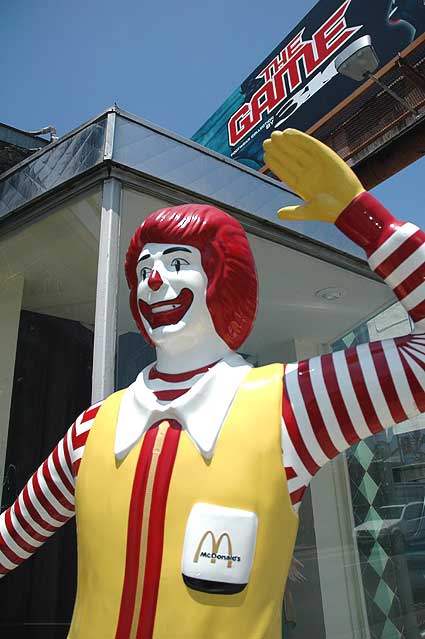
(193, 285)
(171, 294)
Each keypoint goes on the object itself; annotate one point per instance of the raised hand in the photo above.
(314, 172)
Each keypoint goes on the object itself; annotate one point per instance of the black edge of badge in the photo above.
(213, 587)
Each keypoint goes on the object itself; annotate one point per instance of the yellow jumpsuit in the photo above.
(246, 472)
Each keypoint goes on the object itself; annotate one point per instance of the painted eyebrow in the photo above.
(176, 248)
(166, 252)
(144, 257)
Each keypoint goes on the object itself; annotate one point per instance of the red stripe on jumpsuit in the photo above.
(155, 533)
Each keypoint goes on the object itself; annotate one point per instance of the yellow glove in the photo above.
(314, 172)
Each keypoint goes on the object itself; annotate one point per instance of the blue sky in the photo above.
(170, 62)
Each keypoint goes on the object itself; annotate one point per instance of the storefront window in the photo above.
(387, 489)
(48, 273)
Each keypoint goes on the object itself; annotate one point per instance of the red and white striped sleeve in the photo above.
(47, 500)
(334, 401)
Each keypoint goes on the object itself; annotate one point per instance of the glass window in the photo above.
(390, 512)
(387, 492)
(48, 275)
(413, 511)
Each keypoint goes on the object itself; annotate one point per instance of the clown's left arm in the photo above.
(333, 401)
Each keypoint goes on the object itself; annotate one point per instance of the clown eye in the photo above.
(144, 273)
(178, 262)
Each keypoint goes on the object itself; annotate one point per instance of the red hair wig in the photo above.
(226, 259)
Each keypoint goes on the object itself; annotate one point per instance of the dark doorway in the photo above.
(52, 385)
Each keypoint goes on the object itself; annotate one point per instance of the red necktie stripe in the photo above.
(133, 535)
(156, 532)
(141, 627)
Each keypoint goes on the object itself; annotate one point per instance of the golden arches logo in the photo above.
(215, 545)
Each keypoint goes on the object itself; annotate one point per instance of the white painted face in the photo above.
(171, 293)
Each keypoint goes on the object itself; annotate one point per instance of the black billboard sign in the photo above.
(298, 83)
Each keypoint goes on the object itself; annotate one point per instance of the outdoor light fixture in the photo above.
(331, 293)
(359, 61)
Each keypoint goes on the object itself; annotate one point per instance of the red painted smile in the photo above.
(168, 312)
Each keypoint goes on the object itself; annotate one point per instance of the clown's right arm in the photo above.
(334, 401)
(47, 500)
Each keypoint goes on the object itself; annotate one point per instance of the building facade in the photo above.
(68, 340)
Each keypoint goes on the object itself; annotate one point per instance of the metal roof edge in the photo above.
(203, 149)
(157, 129)
(52, 145)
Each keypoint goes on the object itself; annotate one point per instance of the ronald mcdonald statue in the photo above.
(186, 485)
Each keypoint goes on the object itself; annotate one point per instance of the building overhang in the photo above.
(150, 158)
(143, 158)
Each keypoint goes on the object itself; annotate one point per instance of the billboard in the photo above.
(297, 84)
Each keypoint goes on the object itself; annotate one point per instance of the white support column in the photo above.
(344, 607)
(107, 292)
(11, 304)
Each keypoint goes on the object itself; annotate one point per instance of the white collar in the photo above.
(201, 411)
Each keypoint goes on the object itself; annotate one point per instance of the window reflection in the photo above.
(387, 483)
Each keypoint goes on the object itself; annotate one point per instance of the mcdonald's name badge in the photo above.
(219, 547)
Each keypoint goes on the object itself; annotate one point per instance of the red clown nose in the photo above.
(155, 280)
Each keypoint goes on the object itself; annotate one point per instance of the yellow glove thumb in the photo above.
(323, 207)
